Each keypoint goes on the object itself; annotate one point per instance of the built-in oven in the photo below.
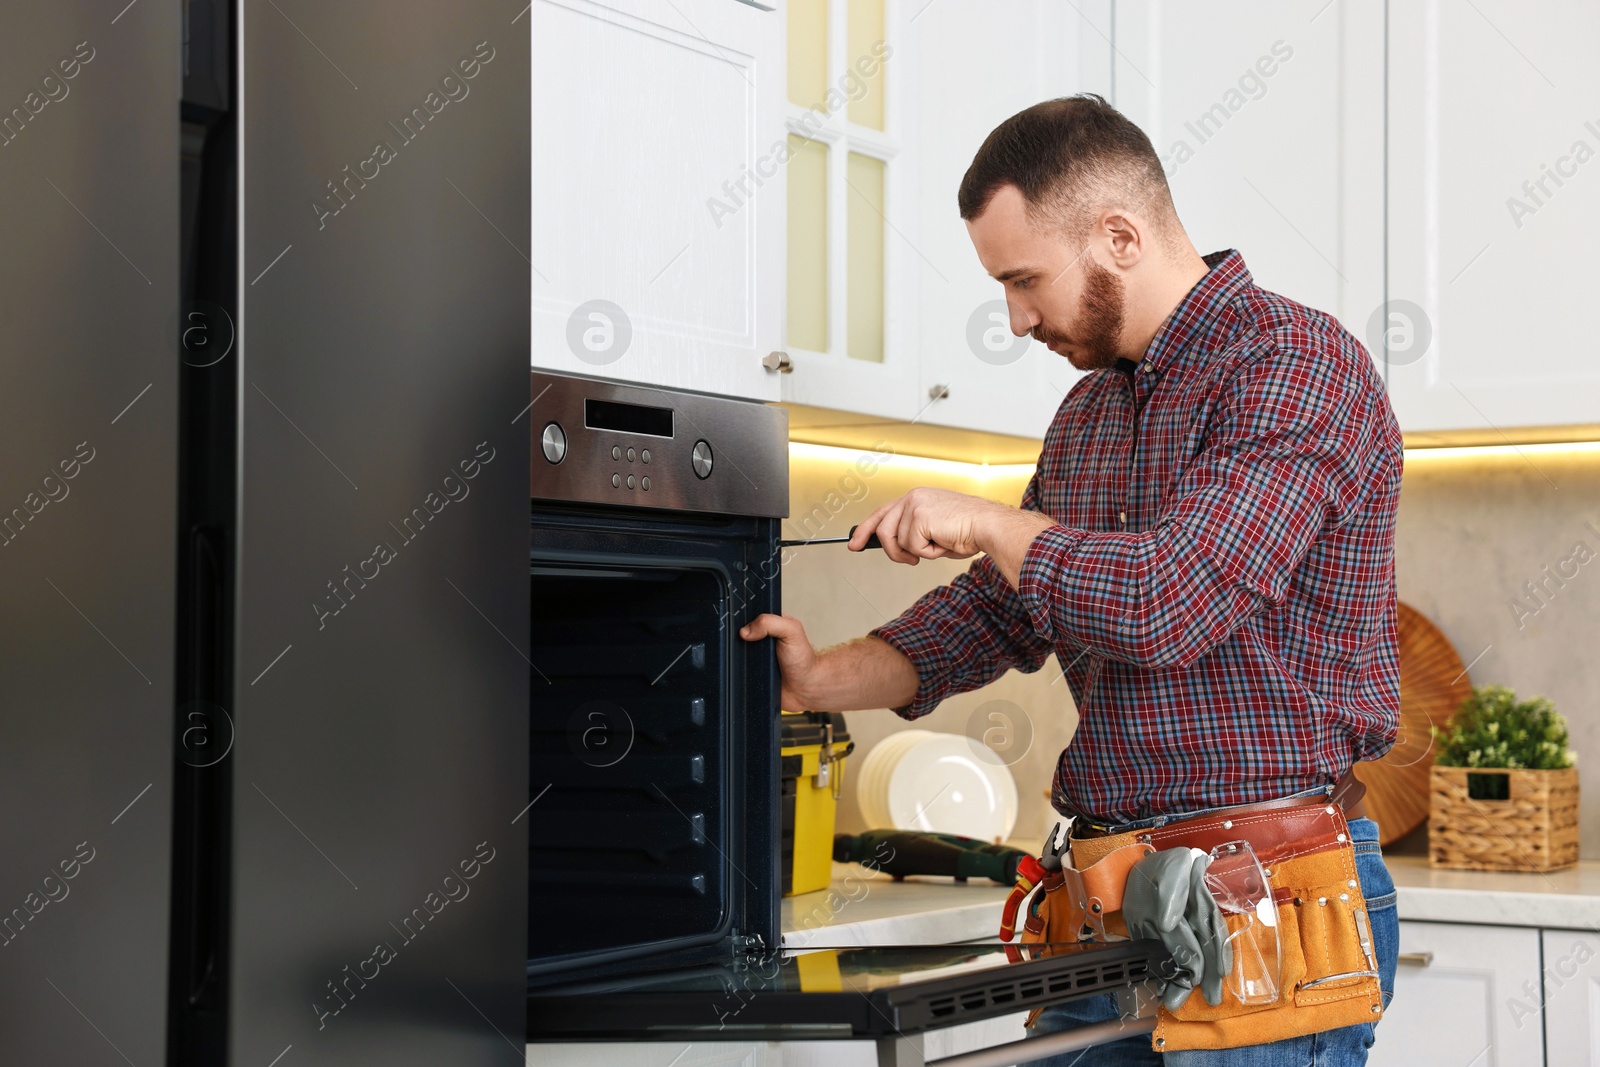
(654, 762)
(653, 817)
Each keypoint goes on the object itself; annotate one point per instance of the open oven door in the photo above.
(884, 993)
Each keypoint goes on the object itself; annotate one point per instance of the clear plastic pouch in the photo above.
(1239, 885)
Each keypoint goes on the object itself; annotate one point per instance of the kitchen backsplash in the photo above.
(838, 594)
(1501, 551)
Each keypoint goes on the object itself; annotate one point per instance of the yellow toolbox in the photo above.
(813, 747)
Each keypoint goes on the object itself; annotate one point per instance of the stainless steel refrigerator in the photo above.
(263, 454)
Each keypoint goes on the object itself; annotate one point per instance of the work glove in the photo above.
(1166, 899)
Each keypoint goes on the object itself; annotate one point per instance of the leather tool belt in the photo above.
(1329, 971)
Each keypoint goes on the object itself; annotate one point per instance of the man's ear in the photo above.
(1123, 236)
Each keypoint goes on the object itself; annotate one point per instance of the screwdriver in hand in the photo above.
(872, 541)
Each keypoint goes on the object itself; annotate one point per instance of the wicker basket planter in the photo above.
(1534, 829)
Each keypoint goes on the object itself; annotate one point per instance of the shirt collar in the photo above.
(1225, 279)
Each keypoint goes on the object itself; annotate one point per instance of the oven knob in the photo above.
(700, 458)
(554, 442)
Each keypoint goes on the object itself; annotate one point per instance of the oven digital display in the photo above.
(627, 418)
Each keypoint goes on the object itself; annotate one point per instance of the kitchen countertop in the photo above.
(1568, 899)
(864, 907)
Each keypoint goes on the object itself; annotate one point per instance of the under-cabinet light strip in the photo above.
(901, 461)
(1547, 448)
(967, 469)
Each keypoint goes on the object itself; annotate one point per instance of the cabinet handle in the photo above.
(778, 361)
(1416, 959)
(938, 392)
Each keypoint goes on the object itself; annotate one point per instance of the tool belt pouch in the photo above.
(1070, 906)
(1328, 977)
(1041, 920)
(1036, 924)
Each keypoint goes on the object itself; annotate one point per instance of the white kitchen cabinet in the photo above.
(655, 1054)
(936, 1044)
(1459, 260)
(974, 1036)
(973, 372)
(956, 71)
(1494, 196)
(658, 200)
(1454, 998)
(1268, 117)
(1571, 982)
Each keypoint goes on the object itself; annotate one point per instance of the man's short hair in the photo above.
(1070, 158)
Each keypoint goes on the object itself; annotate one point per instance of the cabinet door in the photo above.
(954, 1040)
(970, 1037)
(1493, 199)
(948, 357)
(1455, 998)
(663, 1054)
(658, 195)
(1571, 981)
(973, 373)
(1268, 117)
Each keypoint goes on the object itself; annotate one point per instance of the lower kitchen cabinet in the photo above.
(1464, 994)
(935, 1045)
(1571, 980)
(973, 1036)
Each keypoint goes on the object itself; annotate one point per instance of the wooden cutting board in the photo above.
(1433, 683)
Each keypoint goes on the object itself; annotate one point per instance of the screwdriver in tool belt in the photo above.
(872, 541)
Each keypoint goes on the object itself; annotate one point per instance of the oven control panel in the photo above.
(606, 443)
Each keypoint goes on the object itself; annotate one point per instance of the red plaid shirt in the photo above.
(1219, 587)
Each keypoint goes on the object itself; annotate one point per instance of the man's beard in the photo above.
(1099, 322)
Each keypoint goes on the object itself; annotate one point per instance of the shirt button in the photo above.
(1122, 517)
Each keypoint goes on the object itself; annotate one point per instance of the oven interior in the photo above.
(653, 751)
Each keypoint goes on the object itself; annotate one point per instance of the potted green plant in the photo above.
(1504, 789)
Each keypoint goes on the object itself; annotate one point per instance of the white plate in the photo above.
(948, 783)
(872, 782)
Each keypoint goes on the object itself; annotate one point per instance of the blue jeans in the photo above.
(1344, 1047)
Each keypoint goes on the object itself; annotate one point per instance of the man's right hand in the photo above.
(798, 661)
